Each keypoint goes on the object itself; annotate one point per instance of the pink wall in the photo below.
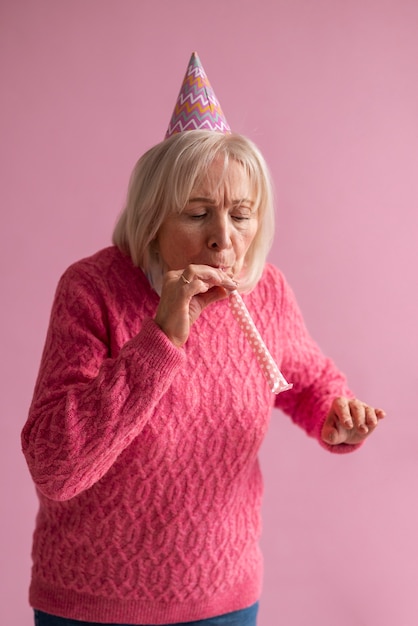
(329, 91)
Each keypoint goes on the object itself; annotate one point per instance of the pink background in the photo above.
(329, 91)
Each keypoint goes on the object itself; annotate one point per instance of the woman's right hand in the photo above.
(184, 295)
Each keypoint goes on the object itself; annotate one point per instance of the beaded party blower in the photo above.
(274, 377)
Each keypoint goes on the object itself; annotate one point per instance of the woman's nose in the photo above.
(219, 236)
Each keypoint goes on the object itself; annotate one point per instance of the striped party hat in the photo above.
(197, 107)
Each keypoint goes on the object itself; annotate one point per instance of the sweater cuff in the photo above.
(161, 354)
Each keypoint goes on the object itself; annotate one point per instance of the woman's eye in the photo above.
(240, 218)
(197, 216)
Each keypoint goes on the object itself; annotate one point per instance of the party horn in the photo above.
(274, 377)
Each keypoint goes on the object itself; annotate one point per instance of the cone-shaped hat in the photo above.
(197, 107)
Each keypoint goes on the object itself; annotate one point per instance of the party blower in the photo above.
(274, 377)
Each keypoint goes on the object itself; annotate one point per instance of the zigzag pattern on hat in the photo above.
(197, 107)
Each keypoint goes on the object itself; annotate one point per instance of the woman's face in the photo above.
(217, 225)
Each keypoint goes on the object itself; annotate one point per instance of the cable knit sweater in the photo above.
(145, 455)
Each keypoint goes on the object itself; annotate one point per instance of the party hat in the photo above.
(197, 107)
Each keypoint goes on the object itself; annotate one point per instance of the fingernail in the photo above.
(348, 423)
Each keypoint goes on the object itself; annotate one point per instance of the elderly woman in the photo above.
(150, 408)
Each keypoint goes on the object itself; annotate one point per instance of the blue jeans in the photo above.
(245, 617)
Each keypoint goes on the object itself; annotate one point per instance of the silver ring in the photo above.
(185, 279)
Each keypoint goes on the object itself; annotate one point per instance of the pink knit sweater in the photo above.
(145, 455)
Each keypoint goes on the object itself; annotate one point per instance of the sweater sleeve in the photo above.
(87, 406)
(316, 379)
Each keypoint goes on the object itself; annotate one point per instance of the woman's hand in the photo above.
(184, 295)
(350, 421)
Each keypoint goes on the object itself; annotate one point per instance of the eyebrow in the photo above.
(213, 202)
(201, 199)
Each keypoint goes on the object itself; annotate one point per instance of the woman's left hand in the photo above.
(350, 421)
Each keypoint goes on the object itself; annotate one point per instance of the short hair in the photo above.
(162, 182)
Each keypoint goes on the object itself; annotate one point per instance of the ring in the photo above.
(185, 279)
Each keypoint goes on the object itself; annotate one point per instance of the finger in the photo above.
(199, 294)
(333, 437)
(333, 433)
(371, 417)
(380, 414)
(213, 294)
(193, 285)
(358, 414)
(211, 275)
(341, 409)
(186, 281)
